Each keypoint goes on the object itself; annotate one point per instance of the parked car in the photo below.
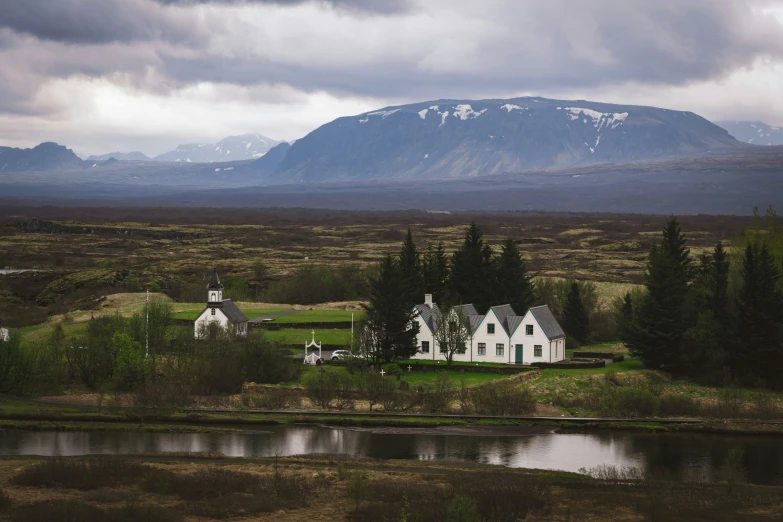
(340, 355)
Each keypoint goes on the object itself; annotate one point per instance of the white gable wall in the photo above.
(207, 317)
(425, 335)
(490, 340)
(551, 350)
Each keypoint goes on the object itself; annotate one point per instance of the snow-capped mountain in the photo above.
(121, 156)
(460, 138)
(755, 132)
(234, 148)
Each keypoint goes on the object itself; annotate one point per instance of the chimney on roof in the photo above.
(428, 300)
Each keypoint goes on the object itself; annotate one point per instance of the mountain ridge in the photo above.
(753, 132)
(465, 138)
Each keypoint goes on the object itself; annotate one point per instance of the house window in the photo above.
(425, 347)
(529, 329)
(443, 349)
(537, 350)
(490, 328)
(462, 349)
(482, 348)
(499, 349)
(213, 311)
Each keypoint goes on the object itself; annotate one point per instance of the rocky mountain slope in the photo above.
(463, 138)
(234, 148)
(755, 132)
(43, 157)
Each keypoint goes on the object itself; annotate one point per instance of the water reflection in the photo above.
(668, 454)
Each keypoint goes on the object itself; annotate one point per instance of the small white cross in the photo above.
(383, 373)
(409, 368)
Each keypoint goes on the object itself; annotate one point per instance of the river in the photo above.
(675, 455)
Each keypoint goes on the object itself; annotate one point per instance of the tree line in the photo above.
(473, 274)
(718, 317)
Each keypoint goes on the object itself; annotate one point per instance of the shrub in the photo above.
(5, 500)
(275, 399)
(81, 474)
(392, 369)
(502, 398)
(167, 392)
(462, 508)
(129, 369)
(203, 483)
(436, 397)
(375, 388)
(321, 387)
(675, 405)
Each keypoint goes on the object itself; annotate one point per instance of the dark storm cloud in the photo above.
(92, 21)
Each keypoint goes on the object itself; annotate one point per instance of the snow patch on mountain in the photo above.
(511, 107)
(465, 111)
(383, 114)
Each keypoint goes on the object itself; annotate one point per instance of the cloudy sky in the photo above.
(106, 75)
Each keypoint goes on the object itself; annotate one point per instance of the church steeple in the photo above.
(214, 289)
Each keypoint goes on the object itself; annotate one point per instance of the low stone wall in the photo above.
(571, 365)
(616, 357)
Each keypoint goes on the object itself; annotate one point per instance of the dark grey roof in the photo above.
(427, 315)
(547, 322)
(233, 313)
(475, 321)
(467, 310)
(214, 280)
(513, 323)
(503, 313)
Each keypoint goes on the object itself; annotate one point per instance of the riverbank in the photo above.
(338, 487)
(36, 415)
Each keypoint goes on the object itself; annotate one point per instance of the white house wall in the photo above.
(481, 335)
(206, 318)
(551, 351)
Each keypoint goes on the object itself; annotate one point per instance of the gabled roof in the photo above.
(504, 313)
(214, 280)
(233, 313)
(475, 322)
(427, 315)
(513, 324)
(467, 310)
(547, 322)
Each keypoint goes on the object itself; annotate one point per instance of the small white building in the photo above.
(4, 335)
(221, 311)
(499, 336)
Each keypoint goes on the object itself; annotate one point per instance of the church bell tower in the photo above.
(214, 289)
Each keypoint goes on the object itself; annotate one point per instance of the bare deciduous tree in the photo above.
(452, 331)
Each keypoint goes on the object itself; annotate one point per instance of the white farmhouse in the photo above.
(221, 311)
(499, 336)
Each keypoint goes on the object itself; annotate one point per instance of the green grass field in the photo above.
(319, 316)
(250, 313)
(300, 337)
(417, 378)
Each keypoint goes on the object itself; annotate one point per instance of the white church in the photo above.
(221, 311)
(499, 336)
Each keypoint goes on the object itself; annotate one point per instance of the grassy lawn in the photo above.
(251, 313)
(319, 316)
(300, 337)
(417, 378)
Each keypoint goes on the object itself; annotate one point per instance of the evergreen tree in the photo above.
(709, 340)
(471, 271)
(657, 331)
(435, 268)
(389, 318)
(575, 321)
(625, 317)
(514, 285)
(760, 305)
(410, 265)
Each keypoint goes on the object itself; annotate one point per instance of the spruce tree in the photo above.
(435, 268)
(389, 318)
(575, 321)
(657, 332)
(513, 284)
(760, 306)
(625, 317)
(471, 271)
(410, 265)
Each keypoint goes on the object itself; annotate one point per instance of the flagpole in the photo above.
(147, 342)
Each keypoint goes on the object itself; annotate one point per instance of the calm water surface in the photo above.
(673, 454)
